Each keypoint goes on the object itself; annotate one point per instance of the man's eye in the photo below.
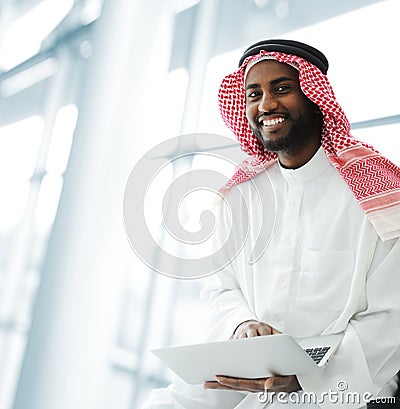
(253, 94)
(282, 88)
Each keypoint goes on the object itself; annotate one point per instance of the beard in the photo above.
(298, 137)
(288, 144)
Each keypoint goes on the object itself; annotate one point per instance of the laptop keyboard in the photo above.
(317, 353)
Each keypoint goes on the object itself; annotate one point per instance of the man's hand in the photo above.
(252, 328)
(273, 384)
(248, 329)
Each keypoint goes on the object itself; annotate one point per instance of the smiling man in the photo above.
(280, 115)
(331, 265)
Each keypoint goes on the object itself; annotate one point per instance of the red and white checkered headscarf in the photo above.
(373, 179)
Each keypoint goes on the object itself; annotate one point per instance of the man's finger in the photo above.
(253, 385)
(282, 384)
(251, 332)
(212, 385)
(264, 330)
(217, 385)
(270, 383)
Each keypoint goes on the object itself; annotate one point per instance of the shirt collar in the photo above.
(313, 168)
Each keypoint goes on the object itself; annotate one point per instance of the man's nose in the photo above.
(267, 103)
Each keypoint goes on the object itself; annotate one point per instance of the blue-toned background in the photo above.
(86, 88)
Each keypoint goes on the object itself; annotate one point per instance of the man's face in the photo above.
(280, 115)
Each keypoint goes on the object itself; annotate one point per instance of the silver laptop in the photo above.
(256, 357)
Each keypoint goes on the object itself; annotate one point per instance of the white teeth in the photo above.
(270, 122)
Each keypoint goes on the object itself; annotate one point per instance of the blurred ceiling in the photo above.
(242, 22)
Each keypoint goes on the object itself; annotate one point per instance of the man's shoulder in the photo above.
(259, 185)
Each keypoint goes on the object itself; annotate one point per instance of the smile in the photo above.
(271, 122)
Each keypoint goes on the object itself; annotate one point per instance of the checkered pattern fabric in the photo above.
(373, 179)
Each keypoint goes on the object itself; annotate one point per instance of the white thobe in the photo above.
(325, 270)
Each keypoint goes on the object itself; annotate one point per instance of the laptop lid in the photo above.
(256, 357)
